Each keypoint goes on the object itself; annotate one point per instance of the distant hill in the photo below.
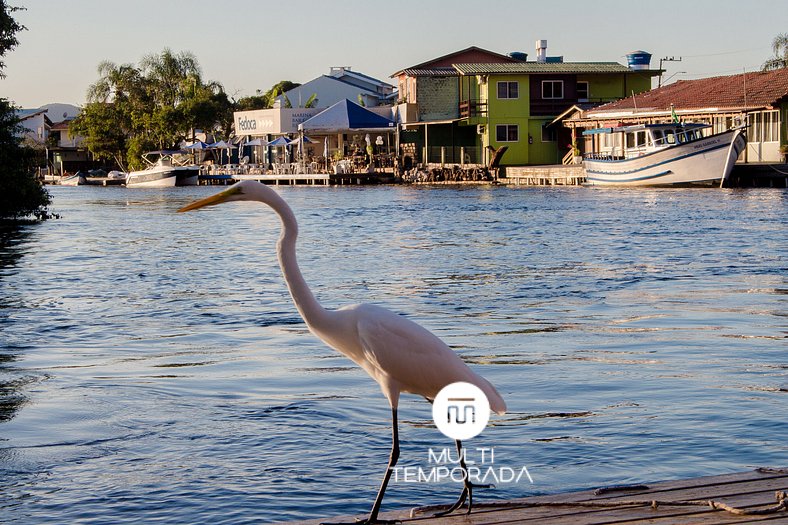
(60, 112)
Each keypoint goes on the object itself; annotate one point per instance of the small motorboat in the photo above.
(78, 179)
(164, 172)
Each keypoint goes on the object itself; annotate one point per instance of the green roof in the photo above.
(543, 67)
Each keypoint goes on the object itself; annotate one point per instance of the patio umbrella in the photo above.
(306, 140)
(256, 142)
(281, 142)
(223, 145)
(197, 146)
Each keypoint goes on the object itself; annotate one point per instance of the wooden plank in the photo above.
(748, 490)
(664, 514)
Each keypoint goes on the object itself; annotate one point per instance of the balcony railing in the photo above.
(473, 108)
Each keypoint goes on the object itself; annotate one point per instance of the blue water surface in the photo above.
(154, 369)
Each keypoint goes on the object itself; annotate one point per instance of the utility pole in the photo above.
(666, 59)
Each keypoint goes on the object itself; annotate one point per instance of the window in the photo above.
(552, 89)
(771, 126)
(548, 134)
(636, 139)
(583, 91)
(507, 133)
(508, 89)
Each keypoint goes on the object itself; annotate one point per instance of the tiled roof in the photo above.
(541, 67)
(61, 126)
(431, 72)
(470, 54)
(762, 89)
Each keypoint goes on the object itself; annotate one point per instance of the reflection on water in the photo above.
(12, 384)
(153, 367)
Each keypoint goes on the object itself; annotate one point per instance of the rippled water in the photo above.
(153, 367)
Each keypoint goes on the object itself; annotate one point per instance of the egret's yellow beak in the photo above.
(212, 200)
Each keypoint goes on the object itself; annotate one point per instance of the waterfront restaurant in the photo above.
(344, 140)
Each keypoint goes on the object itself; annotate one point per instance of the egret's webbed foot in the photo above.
(467, 494)
(467, 490)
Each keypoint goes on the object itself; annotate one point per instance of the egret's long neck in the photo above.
(314, 314)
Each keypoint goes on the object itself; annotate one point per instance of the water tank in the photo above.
(519, 55)
(541, 50)
(638, 60)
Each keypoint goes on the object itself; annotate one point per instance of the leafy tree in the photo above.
(780, 48)
(253, 102)
(21, 195)
(8, 30)
(278, 89)
(156, 105)
(101, 124)
(266, 100)
(311, 101)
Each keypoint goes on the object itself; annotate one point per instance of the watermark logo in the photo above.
(461, 410)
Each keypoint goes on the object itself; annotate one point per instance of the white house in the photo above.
(35, 124)
(341, 83)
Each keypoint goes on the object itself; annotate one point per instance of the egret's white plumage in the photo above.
(399, 354)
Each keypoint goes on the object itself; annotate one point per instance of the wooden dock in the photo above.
(759, 175)
(554, 175)
(310, 179)
(747, 497)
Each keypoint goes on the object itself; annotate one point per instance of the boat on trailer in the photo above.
(164, 172)
(661, 155)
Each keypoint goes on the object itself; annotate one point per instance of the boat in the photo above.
(662, 155)
(164, 172)
(78, 179)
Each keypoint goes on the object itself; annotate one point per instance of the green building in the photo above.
(456, 108)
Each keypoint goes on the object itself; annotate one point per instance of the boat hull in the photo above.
(187, 176)
(152, 178)
(74, 180)
(706, 161)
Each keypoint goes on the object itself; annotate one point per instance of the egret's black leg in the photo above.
(467, 489)
(393, 457)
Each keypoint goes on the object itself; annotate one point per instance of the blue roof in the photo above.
(346, 115)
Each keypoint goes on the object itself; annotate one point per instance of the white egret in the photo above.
(399, 354)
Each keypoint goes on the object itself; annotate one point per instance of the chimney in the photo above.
(541, 50)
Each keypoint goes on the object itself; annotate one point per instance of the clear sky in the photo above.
(252, 44)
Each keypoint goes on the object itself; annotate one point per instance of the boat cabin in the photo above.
(626, 142)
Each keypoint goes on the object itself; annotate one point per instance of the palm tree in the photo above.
(780, 48)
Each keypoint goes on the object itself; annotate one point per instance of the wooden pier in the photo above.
(747, 497)
(310, 179)
(554, 175)
(759, 175)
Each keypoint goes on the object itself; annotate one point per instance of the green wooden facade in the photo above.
(515, 105)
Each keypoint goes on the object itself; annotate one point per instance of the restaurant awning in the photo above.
(346, 116)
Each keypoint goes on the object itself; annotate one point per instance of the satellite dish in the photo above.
(65, 114)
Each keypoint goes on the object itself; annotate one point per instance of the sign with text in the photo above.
(271, 121)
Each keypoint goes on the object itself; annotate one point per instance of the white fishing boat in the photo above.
(77, 179)
(164, 172)
(661, 155)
